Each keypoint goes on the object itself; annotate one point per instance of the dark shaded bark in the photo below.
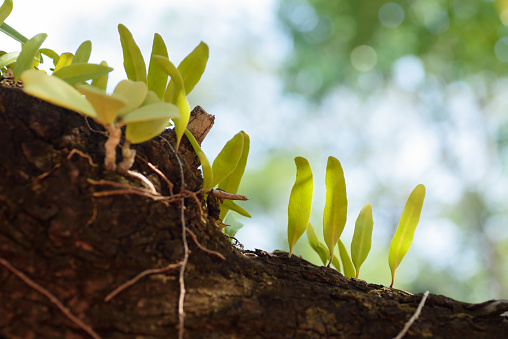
(80, 247)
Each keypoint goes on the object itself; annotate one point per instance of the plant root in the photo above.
(413, 318)
(51, 298)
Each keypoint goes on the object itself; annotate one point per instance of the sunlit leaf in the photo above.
(300, 202)
(65, 59)
(403, 238)
(142, 131)
(335, 260)
(191, 68)
(362, 238)
(179, 99)
(205, 164)
(29, 51)
(236, 208)
(133, 61)
(106, 106)
(233, 226)
(11, 32)
(132, 92)
(227, 159)
(349, 270)
(335, 212)
(157, 78)
(8, 58)
(101, 82)
(316, 245)
(231, 183)
(5, 10)
(51, 54)
(56, 91)
(157, 111)
(76, 73)
(83, 52)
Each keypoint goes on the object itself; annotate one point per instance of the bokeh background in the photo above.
(401, 92)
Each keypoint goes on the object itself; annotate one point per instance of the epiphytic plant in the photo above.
(144, 103)
(334, 220)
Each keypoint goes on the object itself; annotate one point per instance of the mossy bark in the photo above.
(80, 246)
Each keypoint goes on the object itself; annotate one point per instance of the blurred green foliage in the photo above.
(333, 40)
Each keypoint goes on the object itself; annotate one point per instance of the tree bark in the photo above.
(68, 235)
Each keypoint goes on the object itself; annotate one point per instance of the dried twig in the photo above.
(134, 280)
(223, 195)
(201, 247)
(413, 318)
(51, 297)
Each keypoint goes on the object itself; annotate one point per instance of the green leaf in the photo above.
(205, 164)
(233, 226)
(362, 238)
(83, 52)
(142, 131)
(101, 82)
(5, 10)
(403, 238)
(335, 260)
(335, 213)
(106, 106)
(227, 160)
(231, 183)
(51, 54)
(65, 59)
(236, 208)
(8, 58)
(11, 32)
(191, 68)
(349, 270)
(133, 62)
(300, 202)
(29, 51)
(55, 91)
(132, 92)
(157, 111)
(179, 99)
(157, 78)
(79, 72)
(316, 245)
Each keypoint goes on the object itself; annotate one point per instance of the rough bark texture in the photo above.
(80, 246)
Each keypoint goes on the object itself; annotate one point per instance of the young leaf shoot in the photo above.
(300, 202)
(349, 270)
(231, 183)
(227, 160)
(157, 78)
(403, 238)
(362, 238)
(334, 215)
(191, 68)
(316, 245)
(29, 52)
(179, 99)
(133, 61)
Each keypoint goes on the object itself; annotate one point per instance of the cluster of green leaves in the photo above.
(144, 102)
(334, 221)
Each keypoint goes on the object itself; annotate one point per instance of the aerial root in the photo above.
(201, 247)
(51, 298)
(413, 318)
(134, 280)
